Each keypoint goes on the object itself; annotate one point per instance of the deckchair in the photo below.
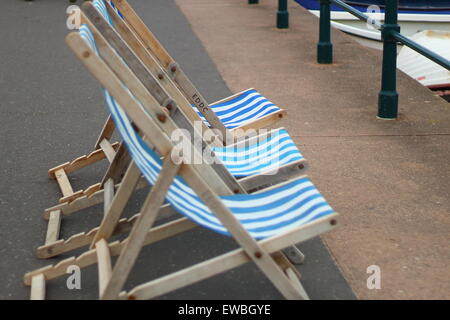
(279, 143)
(261, 223)
(230, 116)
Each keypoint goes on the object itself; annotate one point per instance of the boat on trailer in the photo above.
(425, 21)
(414, 16)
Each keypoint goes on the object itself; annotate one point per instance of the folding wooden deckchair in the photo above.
(279, 144)
(245, 110)
(261, 223)
(290, 163)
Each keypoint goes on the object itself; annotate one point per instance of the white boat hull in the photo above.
(410, 24)
(422, 69)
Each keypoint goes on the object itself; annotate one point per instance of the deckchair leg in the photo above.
(294, 255)
(296, 282)
(107, 131)
(104, 265)
(108, 193)
(291, 272)
(118, 203)
(118, 166)
(53, 227)
(138, 234)
(38, 287)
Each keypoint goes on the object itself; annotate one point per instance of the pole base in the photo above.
(325, 52)
(388, 105)
(282, 19)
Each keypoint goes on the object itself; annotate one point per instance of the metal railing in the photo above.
(390, 35)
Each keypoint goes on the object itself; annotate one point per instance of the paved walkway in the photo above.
(51, 111)
(389, 179)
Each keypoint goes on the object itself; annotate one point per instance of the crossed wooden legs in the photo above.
(112, 279)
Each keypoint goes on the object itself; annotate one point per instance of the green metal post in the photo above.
(388, 97)
(253, 1)
(325, 47)
(282, 15)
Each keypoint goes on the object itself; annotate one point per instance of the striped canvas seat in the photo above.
(246, 107)
(263, 215)
(266, 154)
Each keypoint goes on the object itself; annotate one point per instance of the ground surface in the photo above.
(51, 112)
(388, 179)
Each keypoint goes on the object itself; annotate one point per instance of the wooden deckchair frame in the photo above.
(134, 30)
(111, 280)
(54, 246)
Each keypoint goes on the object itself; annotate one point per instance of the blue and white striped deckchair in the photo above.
(261, 223)
(269, 214)
(253, 160)
(242, 110)
(263, 215)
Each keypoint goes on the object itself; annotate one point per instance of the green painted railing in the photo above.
(390, 34)
(282, 13)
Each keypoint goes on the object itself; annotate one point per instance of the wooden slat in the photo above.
(89, 258)
(71, 197)
(107, 131)
(291, 274)
(63, 182)
(104, 265)
(274, 176)
(85, 201)
(137, 237)
(109, 195)
(117, 168)
(83, 239)
(107, 148)
(118, 203)
(225, 262)
(53, 227)
(80, 162)
(170, 229)
(37, 287)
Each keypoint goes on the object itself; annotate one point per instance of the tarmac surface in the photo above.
(388, 179)
(52, 111)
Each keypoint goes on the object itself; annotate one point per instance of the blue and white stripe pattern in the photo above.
(101, 7)
(263, 215)
(266, 154)
(246, 107)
